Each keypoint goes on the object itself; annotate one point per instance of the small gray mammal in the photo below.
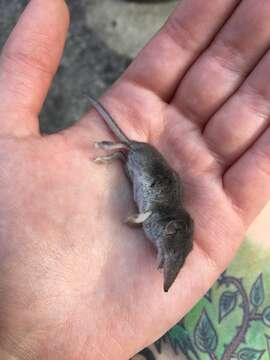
(157, 191)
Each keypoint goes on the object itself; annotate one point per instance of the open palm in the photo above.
(74, 278)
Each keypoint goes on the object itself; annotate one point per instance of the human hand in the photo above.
(75, 281)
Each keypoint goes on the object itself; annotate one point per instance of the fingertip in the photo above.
(52, 10)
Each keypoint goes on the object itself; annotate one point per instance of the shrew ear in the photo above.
(175, 225)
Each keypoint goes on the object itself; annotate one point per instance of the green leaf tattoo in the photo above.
(266, 316)
(250, 354)
(227, 304)
(257, 292)
(205, 334)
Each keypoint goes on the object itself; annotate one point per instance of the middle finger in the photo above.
(226, 63)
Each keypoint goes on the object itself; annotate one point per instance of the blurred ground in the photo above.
(104, 36)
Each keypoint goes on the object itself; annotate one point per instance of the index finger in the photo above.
(189, 30)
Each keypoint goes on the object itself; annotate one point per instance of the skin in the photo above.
(76, 281)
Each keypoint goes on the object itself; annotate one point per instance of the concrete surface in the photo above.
(104, 36)
(125, 26)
